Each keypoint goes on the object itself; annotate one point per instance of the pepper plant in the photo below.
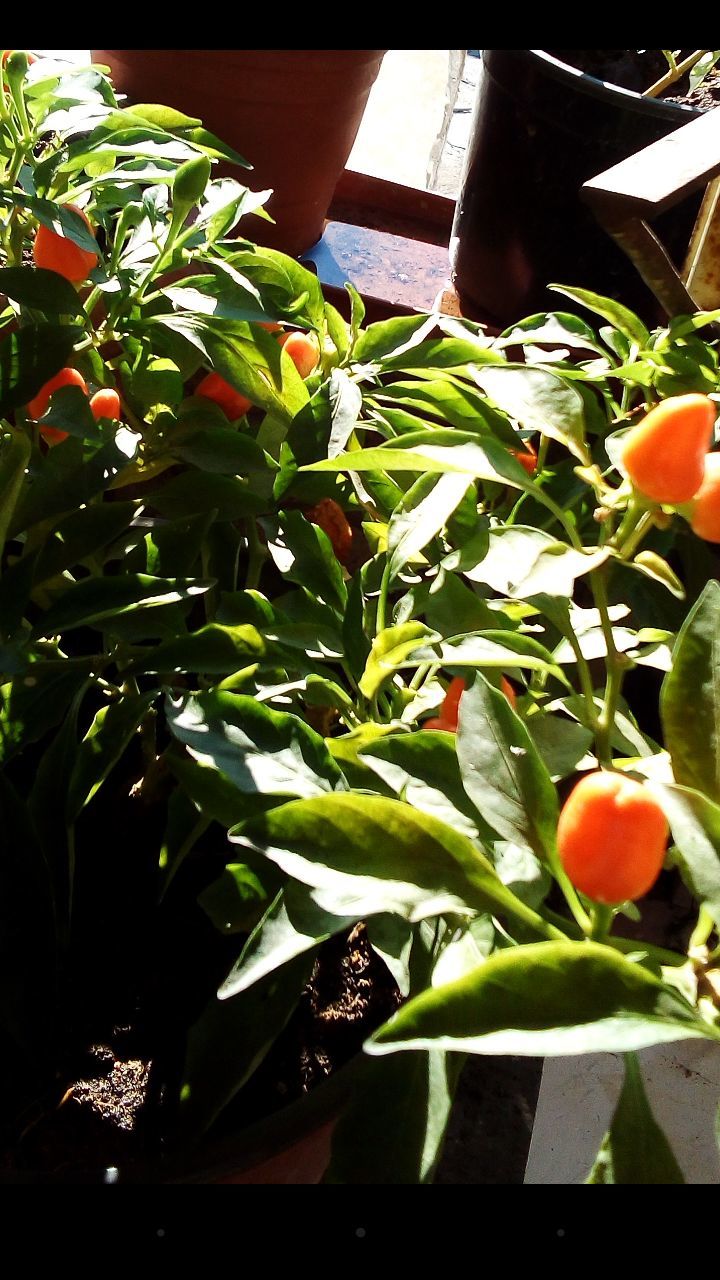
(234, 592)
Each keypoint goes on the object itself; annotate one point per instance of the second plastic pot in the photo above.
(541, 129)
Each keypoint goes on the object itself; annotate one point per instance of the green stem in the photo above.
(675, 73)
(382, 599)
(586, 684)
(423, 673)
(703, 928)
(626, 946)
(601, 922)
(579, 913)
(615, 671)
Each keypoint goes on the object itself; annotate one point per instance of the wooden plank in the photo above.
(662, 174)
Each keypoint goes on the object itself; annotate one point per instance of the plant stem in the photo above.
(703, 928)
(674, 74)
(382, 599)
(601, 922)
(615, 671)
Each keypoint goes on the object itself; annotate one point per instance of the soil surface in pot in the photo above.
(638, 69)
(103, 1117)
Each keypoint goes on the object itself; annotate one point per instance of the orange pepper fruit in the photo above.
(302, 349)
(233, 404)
(329, 516)
(105, 404)
(664, 455)
(57, 253)
(703, 511)
(450, 709)
(40, 403)
(612, 836)
(527, 458)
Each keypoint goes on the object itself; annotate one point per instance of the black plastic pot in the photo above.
(540, 130)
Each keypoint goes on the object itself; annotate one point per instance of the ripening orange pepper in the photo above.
(233, 403)
(527, 458)
(105, 404)
(612, 835)
(56, 253)
(302, 349)
(664, 455)
(450, 709)
(329, 516)
(40, 403)
(703, 511)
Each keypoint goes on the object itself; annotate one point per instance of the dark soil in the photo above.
(638, 70)
(101, 1119)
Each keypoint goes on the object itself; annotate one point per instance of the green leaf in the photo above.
(221, 450)
(422, 769)
(95, 599)
(501, 649)
(70, 411)
(292, 925)
(539, 401)
(695, 824)
(63, 221)
(502, 771)
(257, 749)
(230, 1040)
(635, 1149)
(393, 1129)
(232, 902)
(479, 456)
(65, 482)
(555, 328)
(41, 289)
(15, 451)
(29, 357)
(618, 315)
(173, 546)
(345, 405)
(213, 650)
(442, 353)
(385, 336)
(109, 734)
(303, 553)
(694, 681)
(561, 743)
(346, 750)
(79, 535)
(523, 562)
(373, 854)
(459, 405)
(413, 526)
(389, 648)
(36, 700)
(212, 793)
(195, 493)
(546, 999)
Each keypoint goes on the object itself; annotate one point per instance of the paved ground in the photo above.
(416, 124)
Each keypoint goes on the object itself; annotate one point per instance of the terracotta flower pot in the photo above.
(292, 113)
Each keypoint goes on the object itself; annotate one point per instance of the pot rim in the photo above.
(604, 89)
